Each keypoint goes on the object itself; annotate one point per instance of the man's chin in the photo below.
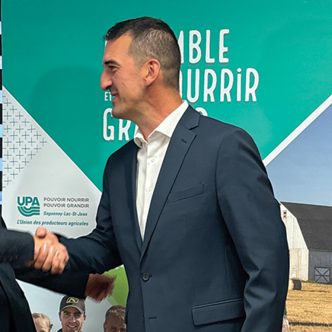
(72, 329)
(119, 114)
(116, 112)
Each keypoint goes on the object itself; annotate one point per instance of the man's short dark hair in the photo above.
(152, 38)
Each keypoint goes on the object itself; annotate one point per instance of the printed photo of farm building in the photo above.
(309, 235)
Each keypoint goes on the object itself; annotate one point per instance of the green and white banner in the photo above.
(263, 66)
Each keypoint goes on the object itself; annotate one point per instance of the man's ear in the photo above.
(152, 71)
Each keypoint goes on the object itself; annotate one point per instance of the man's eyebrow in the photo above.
(110, 62)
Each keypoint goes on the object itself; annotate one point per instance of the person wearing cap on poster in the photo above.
(115, 319)
(72, 314)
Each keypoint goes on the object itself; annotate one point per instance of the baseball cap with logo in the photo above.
(72, 302)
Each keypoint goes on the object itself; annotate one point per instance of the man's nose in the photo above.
(105, 81)
(72, 318)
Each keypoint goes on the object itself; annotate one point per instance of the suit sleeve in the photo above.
(69, 283)
(97, 251)
(16, 248)
(253, 219)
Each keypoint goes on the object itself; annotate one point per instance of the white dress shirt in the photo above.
(149, 160)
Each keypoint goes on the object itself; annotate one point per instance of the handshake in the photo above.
(52, 256)
(49, 254)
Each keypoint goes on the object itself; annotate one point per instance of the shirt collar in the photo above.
(166, 127)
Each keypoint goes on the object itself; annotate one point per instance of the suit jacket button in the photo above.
(145, 276)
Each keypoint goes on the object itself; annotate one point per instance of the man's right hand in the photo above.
(99, 286)
(50, 255)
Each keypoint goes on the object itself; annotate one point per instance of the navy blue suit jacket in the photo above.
(214, 256)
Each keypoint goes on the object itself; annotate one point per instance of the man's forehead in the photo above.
(120, 44)
(126, 39)
(116, 55)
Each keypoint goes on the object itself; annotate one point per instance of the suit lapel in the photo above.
(132, 165)
(176, 152)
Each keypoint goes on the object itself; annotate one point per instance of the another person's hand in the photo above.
(99, 286)
(50, 255)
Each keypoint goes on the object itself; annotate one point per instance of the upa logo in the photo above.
(28, 206)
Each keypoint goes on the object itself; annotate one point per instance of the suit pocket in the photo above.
(186, 193)
(218, 311)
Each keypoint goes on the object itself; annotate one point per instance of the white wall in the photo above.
(298, 251)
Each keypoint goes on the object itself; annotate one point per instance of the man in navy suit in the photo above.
(186, 205)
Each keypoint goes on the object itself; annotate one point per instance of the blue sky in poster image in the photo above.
(302, 172)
